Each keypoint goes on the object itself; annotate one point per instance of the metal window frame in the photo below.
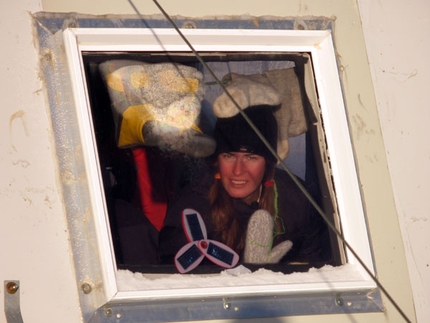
(62, 41)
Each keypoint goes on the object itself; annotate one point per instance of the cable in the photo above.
(281, 162)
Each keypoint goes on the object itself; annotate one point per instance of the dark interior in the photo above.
(119, 171)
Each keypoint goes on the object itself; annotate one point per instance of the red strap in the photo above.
(151, 170)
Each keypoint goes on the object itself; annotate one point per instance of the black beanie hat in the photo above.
(234, 134)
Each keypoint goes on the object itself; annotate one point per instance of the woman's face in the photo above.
(241, 174)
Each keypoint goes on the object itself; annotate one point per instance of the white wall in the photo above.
(34, 246)
(397, 40)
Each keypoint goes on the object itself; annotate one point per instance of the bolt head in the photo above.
(12, 287)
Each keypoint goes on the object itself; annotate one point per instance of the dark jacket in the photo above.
(303, 225)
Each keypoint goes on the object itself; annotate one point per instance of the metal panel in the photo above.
(12, 306)
(237, 307)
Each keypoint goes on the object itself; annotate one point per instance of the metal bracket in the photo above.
(11, 301)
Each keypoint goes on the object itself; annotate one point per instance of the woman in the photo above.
(242, 181)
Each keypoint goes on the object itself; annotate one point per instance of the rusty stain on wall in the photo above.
(359, 127)
(402, 77)
(19, 115)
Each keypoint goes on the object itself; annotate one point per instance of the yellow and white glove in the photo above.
(157, 105)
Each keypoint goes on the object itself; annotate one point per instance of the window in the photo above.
(80, 130)
(122, 168)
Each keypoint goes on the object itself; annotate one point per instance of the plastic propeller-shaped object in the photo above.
(199, 246)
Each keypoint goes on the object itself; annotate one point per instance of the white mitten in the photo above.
(259, 241)
(247, 91)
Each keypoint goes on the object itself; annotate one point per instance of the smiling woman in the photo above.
(243, 167)
(239, 198)
(241, 174)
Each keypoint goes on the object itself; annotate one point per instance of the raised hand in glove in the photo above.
(157, 105)
(259, 241)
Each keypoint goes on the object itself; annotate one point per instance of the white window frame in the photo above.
(319, 44)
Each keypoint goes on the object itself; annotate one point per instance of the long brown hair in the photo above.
(230, 228)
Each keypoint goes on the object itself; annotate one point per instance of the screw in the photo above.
(339, 301)
(86, 288)
(12, 287)
(300, 25)
(108, 312)
(226, 304)
(189, 25)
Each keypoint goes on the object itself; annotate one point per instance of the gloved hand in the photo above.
(157, 105)
(259, 241)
